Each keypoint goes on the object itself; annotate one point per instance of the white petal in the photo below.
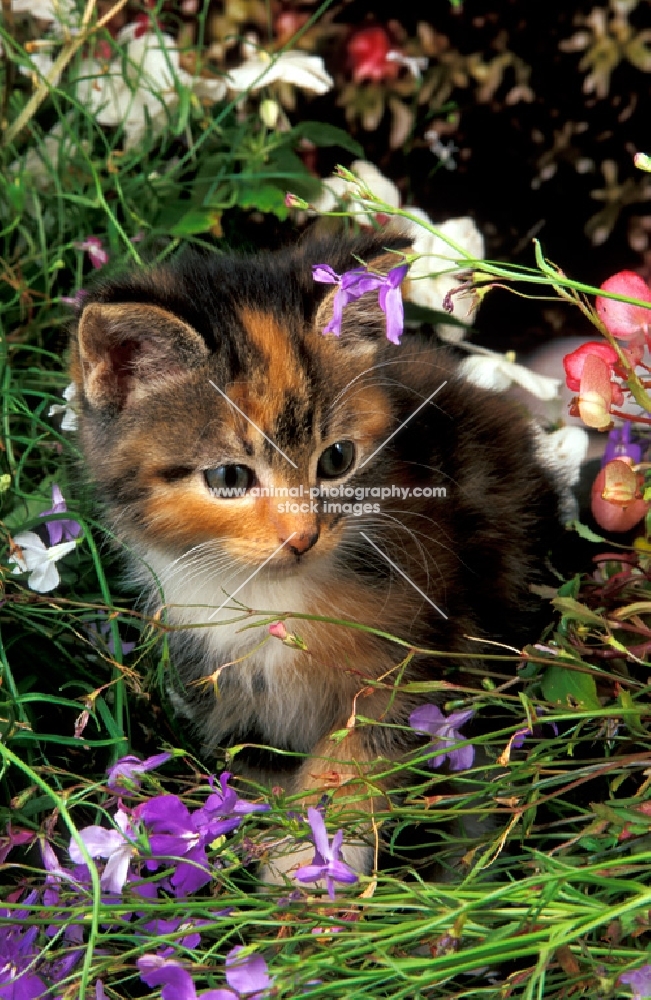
(56, 552)
(44, 578)
(332, 191)
(99, 842)
(42, 64)
(44, 10)
(485, 372)
(34, 551)
(208, 88)
(541, 386)
(301, 70)
(117, 868)
(376, 182)
(153, 62)
(497, 373)
(433, 275)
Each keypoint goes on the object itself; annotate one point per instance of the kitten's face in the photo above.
(258, 401)
(271, 430)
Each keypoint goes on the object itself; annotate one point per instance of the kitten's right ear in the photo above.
(126, 347)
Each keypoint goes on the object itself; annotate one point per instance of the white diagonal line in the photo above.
(255, 572)
(236, 407)
(403, 574)
(393, 434)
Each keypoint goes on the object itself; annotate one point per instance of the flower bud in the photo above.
(269, 112)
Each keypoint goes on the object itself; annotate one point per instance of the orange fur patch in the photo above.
(275, 344)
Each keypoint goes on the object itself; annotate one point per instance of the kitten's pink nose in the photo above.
(302, 541)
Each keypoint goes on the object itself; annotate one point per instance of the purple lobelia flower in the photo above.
(640, 982)
(104, 630)
(114, 845)
(62, 530)
(248, 977)
(620, 446)
(444, 731)
(18, 981)
(123, 776)
(327, 862)
(176, 832)
(521, 734)
(353, 284)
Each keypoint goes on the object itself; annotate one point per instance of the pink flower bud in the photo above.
(278, 630)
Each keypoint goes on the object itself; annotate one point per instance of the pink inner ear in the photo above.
(124, 348)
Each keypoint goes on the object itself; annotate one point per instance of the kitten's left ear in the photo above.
(125, 347)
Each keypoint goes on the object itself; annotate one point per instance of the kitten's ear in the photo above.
(363, 324)
(124, 348)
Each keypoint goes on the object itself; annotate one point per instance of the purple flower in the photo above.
(61, 530)
(390, 302)
(114, 845)
(176, 832)
(18, 981)
(247, 977)
(105, 630)
(75, 300)
(445, 733)
(14, 838)
(327, 862)
(122, 777)
(620, 446)
(353, 284)
(640, 982)
(521, 734)
(96, 252)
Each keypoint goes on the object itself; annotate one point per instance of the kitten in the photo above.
(211, 374)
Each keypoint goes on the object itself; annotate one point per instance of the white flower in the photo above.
(148, 90)
(41, 65)
(70, 419)
(435, 273)
(35, 558)
(45, 10)
(336, 190)
(563, 452)
(297, 68)
(110, 844)
(497, 372)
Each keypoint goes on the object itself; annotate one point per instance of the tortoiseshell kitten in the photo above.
(212, 373)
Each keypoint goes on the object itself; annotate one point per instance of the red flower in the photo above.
(574, 363)
(589, 372)
(622, 319)
(367, 54)
(616, 500)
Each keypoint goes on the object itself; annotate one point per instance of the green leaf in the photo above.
(197, 220)
(569, 689)
(265, 198)
(583, 531)
(322, 134)
(575, 611)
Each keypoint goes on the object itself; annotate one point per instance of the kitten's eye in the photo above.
(336, 460)
(227, 478)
